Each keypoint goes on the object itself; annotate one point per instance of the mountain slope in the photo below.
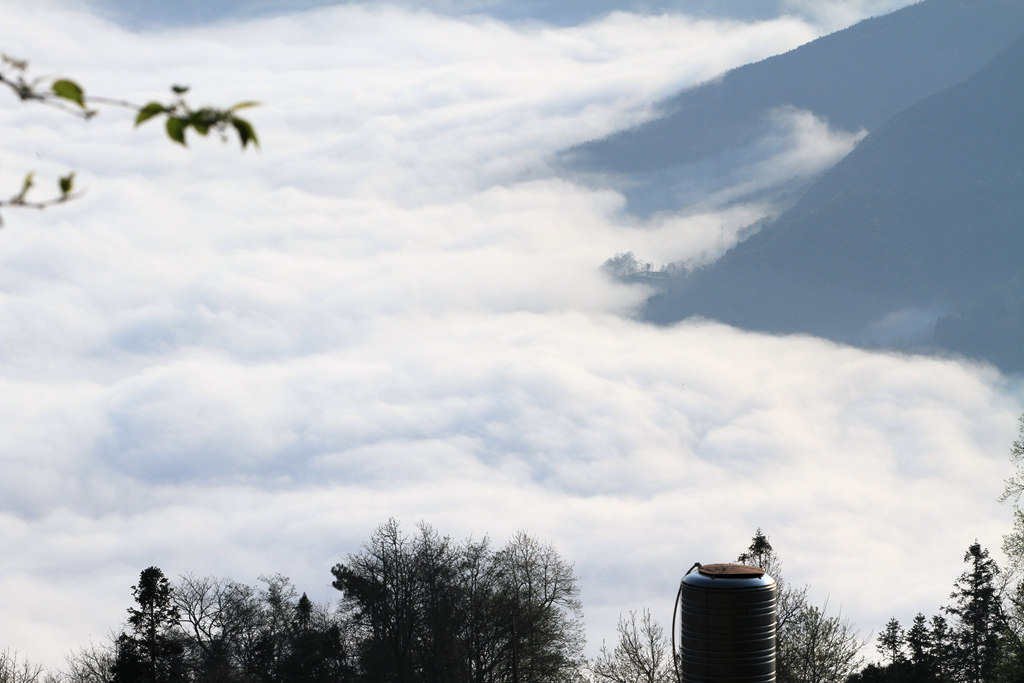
(855, 78)
(923, 221)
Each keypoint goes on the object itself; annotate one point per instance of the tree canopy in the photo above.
(433, 609)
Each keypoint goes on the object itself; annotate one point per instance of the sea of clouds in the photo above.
(240, 364)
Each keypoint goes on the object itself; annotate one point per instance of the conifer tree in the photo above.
(978, 613)
(919, 645)
(891, 640)
(152, 652)
(943, 651)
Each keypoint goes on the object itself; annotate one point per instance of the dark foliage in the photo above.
(975, 647)
(151, 652)
(417, 609)
(430, 610)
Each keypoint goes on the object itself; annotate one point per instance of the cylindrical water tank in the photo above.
(727, 617)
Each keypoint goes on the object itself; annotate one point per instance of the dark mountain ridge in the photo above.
(922, 222)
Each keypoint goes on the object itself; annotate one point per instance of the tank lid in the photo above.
(731, 571)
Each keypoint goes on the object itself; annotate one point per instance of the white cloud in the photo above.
(724, 196)
(241, 364)
(798, 146)
(833, 15)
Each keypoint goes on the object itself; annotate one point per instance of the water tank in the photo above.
(727, 625)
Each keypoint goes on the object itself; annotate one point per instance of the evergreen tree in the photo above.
(316, 651)
(890, 641)
(978, 613)
(943, 651)
(919, 643)
(874, 673)
(761, 554)
(152, 652)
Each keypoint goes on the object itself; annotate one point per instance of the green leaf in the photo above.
(179, 89)
(205, 118)
(69, 90)
(176, 129)
(246, 134)
(149, 111)
(244, 105)
(67, 184)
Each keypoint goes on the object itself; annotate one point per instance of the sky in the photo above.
(239, 364)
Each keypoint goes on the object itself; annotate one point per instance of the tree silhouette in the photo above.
(978, 611)
(811, 646)
(152, 652)
(891, 640)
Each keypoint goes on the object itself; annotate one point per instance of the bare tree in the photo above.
(542, 612)
(223, 621)
(482, 636)
(379, 589)
(91, 664)
(429, 609)
(811, 647)
(641, 655)
(17, 669)
(820, 648)
(791, 600)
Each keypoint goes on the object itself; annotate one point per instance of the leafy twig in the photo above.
(70, 97)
